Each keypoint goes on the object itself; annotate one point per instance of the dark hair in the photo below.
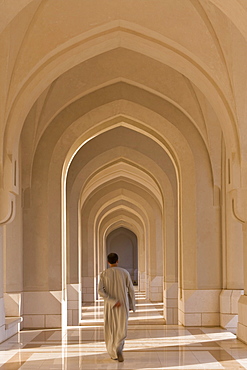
(112, 258)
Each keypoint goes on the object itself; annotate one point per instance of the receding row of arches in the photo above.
(123, 136)
(157, 181)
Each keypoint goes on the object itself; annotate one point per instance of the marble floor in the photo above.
(150, 345)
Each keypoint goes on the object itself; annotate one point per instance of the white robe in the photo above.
(116, 285)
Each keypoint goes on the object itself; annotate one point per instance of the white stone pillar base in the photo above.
(171, 303)
(42, 309)
(142, 282)
(10, 322)
(242, 319)
(229, 309)
(147, 286)
(199, 308)
(155, 288)
(88, 289)
(74, 306)
(13, 303)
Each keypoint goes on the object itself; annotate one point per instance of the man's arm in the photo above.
(102, 292)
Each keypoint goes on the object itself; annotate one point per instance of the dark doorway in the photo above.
(124, 242)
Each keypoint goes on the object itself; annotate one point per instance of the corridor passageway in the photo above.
(123, 128)
(150, 345)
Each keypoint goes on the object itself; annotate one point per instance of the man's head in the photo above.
(112, 258)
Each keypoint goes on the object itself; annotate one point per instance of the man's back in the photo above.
(117, 284)
(116, 288)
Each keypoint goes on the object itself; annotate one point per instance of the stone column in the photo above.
(155, 261)
(232, 262)
(239, 208)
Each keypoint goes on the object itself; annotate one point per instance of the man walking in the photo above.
(117, 290)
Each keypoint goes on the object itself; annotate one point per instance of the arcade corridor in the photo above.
(123, 128)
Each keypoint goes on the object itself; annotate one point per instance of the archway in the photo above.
(174, 136)
(124, 242)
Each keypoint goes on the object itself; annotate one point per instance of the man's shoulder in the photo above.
(109, 271)
(123, 270)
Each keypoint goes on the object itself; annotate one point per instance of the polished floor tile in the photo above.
(150, 345)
